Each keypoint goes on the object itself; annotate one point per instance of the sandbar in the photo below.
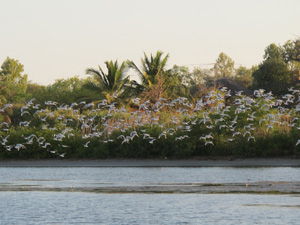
(257, 162)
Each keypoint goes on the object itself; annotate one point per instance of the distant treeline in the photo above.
(171, 113)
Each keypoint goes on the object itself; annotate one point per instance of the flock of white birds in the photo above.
(243, 116)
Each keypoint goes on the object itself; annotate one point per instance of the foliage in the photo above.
(150, 68)
(273, 52)
(13, 81)
(244, 76)
(249, 127)
(111, 84)
(272, 75)
(224, 66)
(62, 91)
(172, 112)
(292, 50)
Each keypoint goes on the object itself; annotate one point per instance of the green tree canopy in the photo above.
(272, 75)
(63, 91)
(224, 66)
(175, 81)
(273, 52)
(292, 50)
(112, 83)
(243, 75)
(151, 67)
(13, 81)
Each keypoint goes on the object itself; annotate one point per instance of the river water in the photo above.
(56, 207)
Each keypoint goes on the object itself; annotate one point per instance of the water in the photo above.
(34, 207)
(87, 208)
(110, 176)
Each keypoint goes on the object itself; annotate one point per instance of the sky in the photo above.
(58, 39)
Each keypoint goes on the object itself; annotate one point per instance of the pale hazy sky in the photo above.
(56, 39)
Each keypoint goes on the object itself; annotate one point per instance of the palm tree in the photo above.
(111, 84)
(151, 67)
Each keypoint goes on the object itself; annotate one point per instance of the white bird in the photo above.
(236, 133)
(222, 126)
(24, 112)
(269, 127)
(19, 146)
(62, 155)
(36, 106)
(210, 126)
(246, 132)
(248, 126)
(146, 136)
(46, 144)
(251, 137)
(209, 142)
(24, 123)
(164, 133)
(44, 119)
(178, 138)
(4, 123)
(209, 136)
(9, 147)
(261, 120)
(30, 102)
(126, 140)
(49, 103)
(5, 107)
(30, 137)
(86, 145)
(152, 140)
(239, 93)
(229, 140)
(65, 146)
(121, 136)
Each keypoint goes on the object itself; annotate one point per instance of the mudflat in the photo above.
(260, 162)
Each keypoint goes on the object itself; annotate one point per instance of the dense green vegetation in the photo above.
(167, 113)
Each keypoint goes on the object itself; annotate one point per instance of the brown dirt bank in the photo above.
(266, 187)
(261, 162)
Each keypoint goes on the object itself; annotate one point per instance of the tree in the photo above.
(3, 90)
(224, 66)
(63, 91)
(175, 81)
(14, 81)
(243, 76)
(273, 52)
(197, 81)
(292, 50)
(272, 75)
(112, 83)
(151, 67)
(167, 84)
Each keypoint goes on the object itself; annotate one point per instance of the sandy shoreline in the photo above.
(265, 187)
(274, 162)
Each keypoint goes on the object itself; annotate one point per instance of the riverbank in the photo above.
(265, 187)
(261, 162)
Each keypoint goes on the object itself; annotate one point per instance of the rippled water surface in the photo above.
(93, 177)
(89, 208)
(33, 207)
